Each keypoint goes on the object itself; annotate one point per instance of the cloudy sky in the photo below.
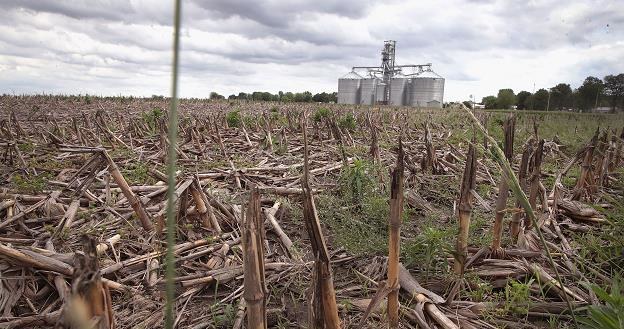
(112, 47)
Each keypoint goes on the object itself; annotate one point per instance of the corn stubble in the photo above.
(509, 128)
(253, 259)
(465, 209)
(90, 303)
(396, 211)
(323, 309)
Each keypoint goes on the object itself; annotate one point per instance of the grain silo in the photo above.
(398, 88)
(368, 90)
(426, 89)
(413, 85)
(349, 88)
(380, 92)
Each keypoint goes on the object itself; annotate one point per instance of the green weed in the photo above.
(517, 297)
(358, 181)
(482, 289)
(347, 122)
(428, 249)
(233, 118)
(151, 118)
(610, 315)
(321, 114)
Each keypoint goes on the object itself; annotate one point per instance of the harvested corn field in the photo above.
(301, 215)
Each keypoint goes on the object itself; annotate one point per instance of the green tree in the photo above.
(215, 95)
(521, 100)
(243, 95)
(318, 98)
(614, 88)
(298, 97)
(540, 100)
(288, 97)
(261, 96)
(322, 97)
(589, 93)
(490, 102)
(232, 97)
(468, 104)
(266, 96)
(506, 98)
(560, 97)
(305, 96)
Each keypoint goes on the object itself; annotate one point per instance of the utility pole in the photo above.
(548, 103)
(473, 102)
(533, 97)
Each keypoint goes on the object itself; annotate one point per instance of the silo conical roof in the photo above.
(428, 74)
(351, 75)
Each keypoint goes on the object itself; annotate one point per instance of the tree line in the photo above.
(594, 92)
(303, 97)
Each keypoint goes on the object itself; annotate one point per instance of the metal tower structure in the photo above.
(387, 66)
(389, 69)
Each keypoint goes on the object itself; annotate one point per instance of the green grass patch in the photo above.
(358, 214)
(30, 183)
(137, 174)
(26, 147)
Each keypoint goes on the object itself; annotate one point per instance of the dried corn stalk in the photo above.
(535, 179)
(325, 297)
(509, 128)
(584, 178)
(514, 226)
(253, 258)
(90, 305)
(429, 161)
(135, 202)
(465, 209)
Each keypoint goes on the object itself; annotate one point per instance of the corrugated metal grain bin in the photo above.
(380, 92)
(398, 87)
(368, 90)
(349, 88)
(426, 88)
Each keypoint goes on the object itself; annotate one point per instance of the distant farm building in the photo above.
(478, 106)
(605, 109)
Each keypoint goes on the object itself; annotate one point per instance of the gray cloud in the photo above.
(279, 14)
(109, 10)
(124, 46)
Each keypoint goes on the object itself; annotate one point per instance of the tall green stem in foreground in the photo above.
(171, 169)
(499, 156)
